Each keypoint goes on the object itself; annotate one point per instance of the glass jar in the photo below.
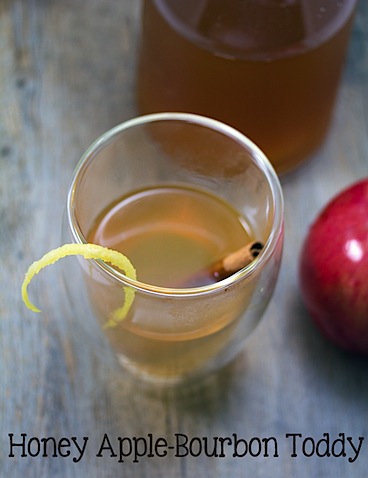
(269, 68)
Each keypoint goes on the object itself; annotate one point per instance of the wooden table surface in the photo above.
(67, 72)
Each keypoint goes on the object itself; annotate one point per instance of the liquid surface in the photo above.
(171, 233)
(270, 68)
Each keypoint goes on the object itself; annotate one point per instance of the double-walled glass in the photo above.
(174, 333)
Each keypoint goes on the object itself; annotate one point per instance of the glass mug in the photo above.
(269, 68)
(142, 188)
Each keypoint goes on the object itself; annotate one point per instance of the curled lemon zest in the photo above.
(120, 313)
(88, 251)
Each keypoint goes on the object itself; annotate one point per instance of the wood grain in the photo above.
(67, 72)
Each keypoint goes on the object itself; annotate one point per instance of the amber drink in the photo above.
(269, 68)
(140, 190)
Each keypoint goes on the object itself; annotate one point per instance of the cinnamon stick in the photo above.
(236, 261)
(225, 267)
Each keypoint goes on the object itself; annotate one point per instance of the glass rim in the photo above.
(256, 155)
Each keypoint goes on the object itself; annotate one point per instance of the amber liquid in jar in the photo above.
(270, 68)
(169, 233)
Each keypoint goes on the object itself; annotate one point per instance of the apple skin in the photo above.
(333, 269)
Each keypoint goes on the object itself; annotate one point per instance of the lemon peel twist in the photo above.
(88, 251)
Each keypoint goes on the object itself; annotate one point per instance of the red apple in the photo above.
(334, 269)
